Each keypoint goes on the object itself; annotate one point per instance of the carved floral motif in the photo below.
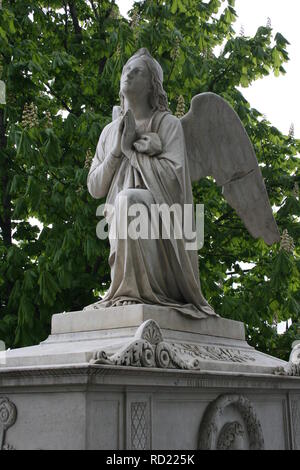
(150, 350)
(140, 353)
(212, 437)
(291, 370)
(229, 434)
(213, 352)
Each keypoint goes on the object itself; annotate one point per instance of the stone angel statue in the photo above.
(148, 156)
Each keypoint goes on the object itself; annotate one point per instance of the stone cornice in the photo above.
(89, 374)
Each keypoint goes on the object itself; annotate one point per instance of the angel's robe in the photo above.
(149, 271)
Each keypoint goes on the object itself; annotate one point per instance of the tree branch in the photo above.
(103, 60)
(59, 98)
(170, 73)
(232, 273)
(66, 25)
(94, 9)
(74, 16)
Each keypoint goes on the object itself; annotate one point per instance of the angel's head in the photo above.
(143, 76)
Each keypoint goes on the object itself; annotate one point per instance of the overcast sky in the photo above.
(277, 98)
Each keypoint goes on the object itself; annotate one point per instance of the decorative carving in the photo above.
(213, 352)
(292, 369)
(140, 353)
(8, 417)
(295, 354)
(150, 331)
(150, 350)
(139, 426)
(211, 437)
(227, 439)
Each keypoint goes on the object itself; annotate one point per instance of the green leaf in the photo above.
(20, 208)
(281, 40)
(52, 148)
(174, 6)
(244, 81)
(3, 34)
(48, 287)
(276, 58)
(30, 280)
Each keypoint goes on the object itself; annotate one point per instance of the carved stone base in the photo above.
(156, 383)
(136, 408)
(165, 340)
(148, 349)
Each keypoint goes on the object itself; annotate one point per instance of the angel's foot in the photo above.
(120, 303)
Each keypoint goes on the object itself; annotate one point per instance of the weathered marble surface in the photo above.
(147, 156)
(137, 330)
(100, 407)
(153, 271)
(66, 394)
(135, 315)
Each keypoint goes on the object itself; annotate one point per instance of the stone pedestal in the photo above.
(145, 377)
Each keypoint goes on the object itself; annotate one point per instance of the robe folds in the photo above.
(149, 271)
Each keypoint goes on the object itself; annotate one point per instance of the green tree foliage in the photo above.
(61, 62)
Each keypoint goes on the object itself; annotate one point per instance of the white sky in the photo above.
(277, 98)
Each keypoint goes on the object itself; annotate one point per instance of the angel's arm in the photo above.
(103, 168)
(170, 151)
(164, 173)
(149, 144)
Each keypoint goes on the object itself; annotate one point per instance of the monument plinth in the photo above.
(145, 377)
(145, 336)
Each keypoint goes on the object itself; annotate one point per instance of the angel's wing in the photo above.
(218, 146)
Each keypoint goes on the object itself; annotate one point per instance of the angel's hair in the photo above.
(158, 97)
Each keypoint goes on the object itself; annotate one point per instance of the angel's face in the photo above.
(136, 79)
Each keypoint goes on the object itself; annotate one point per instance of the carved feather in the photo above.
(218, 146)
